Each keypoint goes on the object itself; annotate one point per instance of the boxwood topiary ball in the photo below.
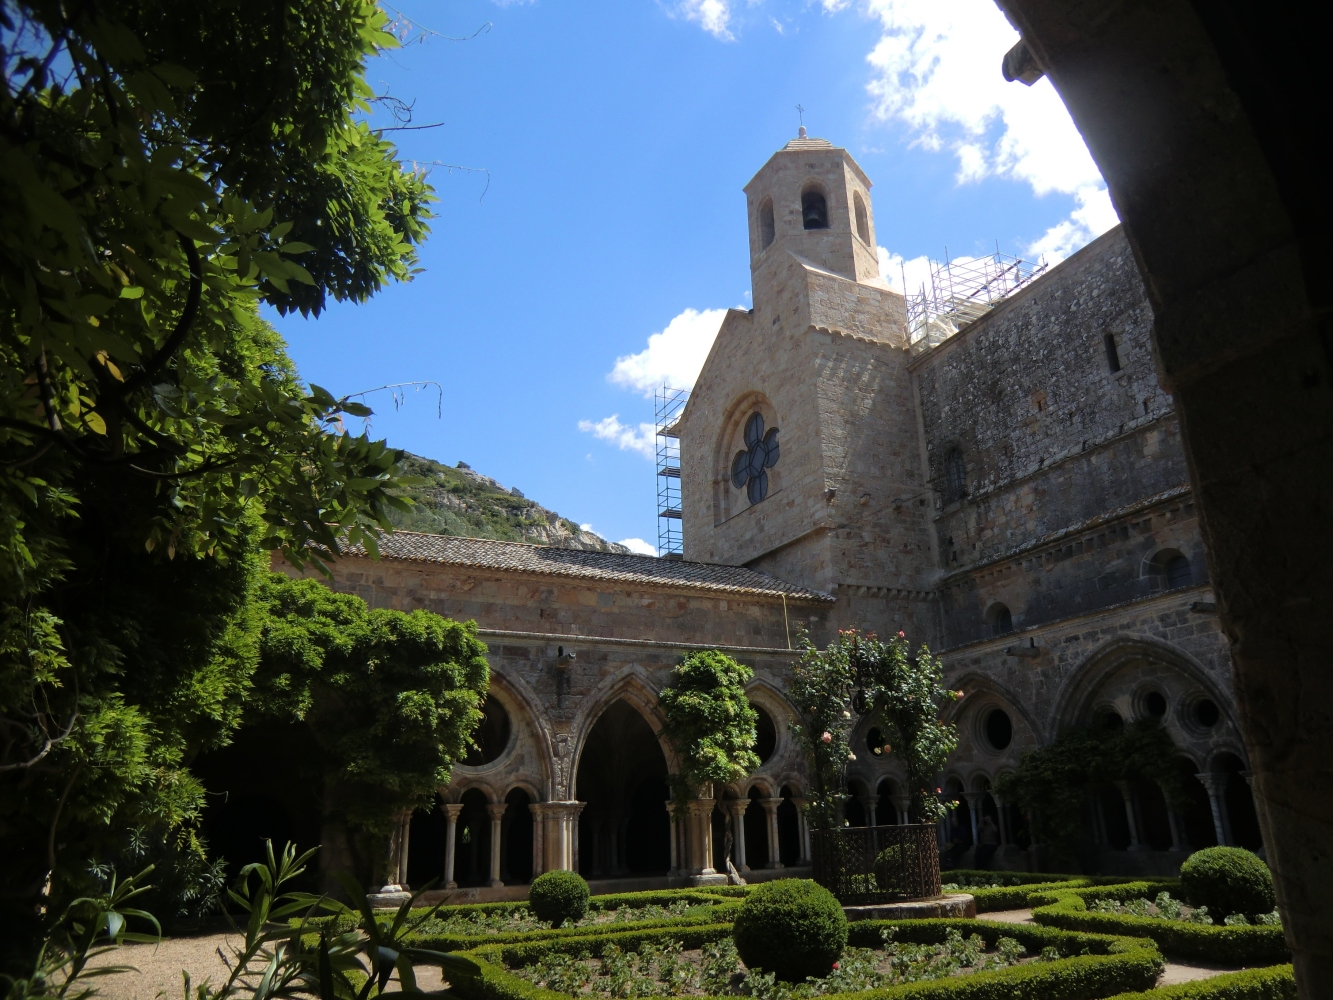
(1227, 880)
(793, 928)
(558, 896)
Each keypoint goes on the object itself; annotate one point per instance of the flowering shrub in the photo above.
(905, 692)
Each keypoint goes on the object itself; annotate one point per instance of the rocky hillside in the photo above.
(458, 501)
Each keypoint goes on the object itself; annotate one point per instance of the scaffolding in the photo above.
(961, 291)
(668, 406)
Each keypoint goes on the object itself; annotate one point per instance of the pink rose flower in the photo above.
(827, 737)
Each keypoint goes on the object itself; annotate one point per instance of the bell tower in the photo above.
(813, 200)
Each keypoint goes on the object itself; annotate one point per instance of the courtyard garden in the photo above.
(788, 939)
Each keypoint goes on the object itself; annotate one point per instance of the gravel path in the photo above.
(159, 968)
(1173, 973)
(1008, 916)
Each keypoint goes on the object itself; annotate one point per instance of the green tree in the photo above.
(710, 722)
(164, 170)
(390, 698)
(1051, 784)
(877, 678)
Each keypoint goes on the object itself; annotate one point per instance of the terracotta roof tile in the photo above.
(485, 553)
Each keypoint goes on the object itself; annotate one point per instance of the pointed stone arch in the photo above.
(633, 686)
(1082, 687)
(987, 690)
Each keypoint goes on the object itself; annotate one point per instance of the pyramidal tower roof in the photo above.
(803, 141)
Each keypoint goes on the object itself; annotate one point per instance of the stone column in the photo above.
(1216, 785)
(538, 839)
(737, 809)
(774, 850)
(1177, 830)
(1127, 793)
(1003, 813)
(497, 812)
(974, 800)
(451, 811)
(675, 856)
(868, 804)
(901, 802)
(560, 833)
(1099, 821)
(803, 821)
(699, 842)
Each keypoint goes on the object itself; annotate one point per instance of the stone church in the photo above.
(1014, 495)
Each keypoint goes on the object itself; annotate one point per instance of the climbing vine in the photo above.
(710, 722)
(861, 672)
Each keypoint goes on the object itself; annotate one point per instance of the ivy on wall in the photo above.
(1050, 785)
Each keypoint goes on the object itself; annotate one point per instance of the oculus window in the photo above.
(749, 469)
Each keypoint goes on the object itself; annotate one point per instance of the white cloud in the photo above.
(711, 15)
(641, 440)
(893, 269)
(639, 546)
(936, 69)
(674, 355)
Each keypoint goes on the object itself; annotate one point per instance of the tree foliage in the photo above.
(906, 692)
(390, 697)
(710, 722)
(1051, 784)
(165, 169)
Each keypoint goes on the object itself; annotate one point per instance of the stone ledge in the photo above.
(953, 905)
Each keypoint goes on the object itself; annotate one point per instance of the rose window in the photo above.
(749, 469)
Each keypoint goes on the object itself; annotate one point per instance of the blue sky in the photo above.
(617, 137)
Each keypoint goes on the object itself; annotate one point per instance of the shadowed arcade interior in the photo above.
(624, 828)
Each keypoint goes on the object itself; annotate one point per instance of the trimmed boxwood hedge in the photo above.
(1068, 909)
(1274, 983)
(1015, 897)
(1097, 965)
(706, 914)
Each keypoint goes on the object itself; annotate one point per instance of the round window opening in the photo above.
(1155, 703)
(766, 735)
(999, 729)
(492, 735)
(1109, 719)
(1206, 713)
(749, 469)
(877, 743)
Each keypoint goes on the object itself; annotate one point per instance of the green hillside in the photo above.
(459, 501)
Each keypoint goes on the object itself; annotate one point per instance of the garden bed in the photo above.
(955, 959)
(1073, 909)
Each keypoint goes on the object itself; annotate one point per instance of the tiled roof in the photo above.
(808, 144)
(485, 553)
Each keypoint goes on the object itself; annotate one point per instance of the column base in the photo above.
(387, 900)
(711, 878)
(775, 864)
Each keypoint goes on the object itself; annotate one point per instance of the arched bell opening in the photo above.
(472, 841)
(516, 835)
(789, 830)
(622, 777)
(427, 837)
